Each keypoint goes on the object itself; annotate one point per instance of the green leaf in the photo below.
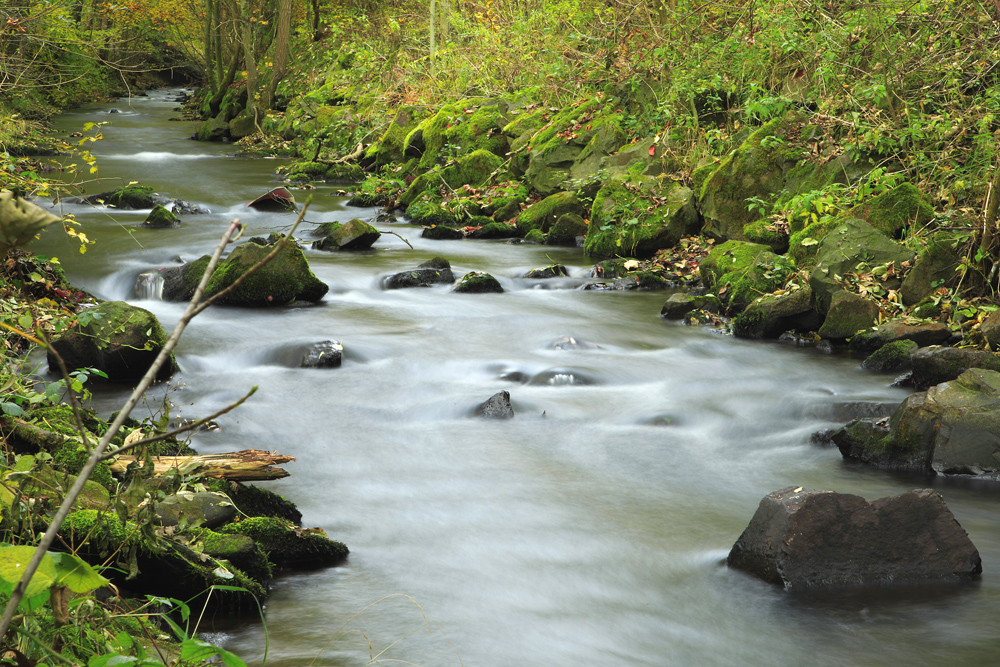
(111, 660)
(75, 573)
(808, 241)
(13, 563)
(198, 650)
(11, 409)
(25, 321)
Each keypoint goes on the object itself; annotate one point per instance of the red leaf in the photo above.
(652, 151)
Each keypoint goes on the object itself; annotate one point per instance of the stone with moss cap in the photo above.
(239, 550)
(542, 214)
(354, 234)
(129, 197)
(894, 357)
(638, 217)
(933, 268)
(161, 218)
(389, 147)
(848, 314)
(894, 211)
(477, 282)
(284, 279)
(739, 272)
(287, 545)
(115, 337)
(771, 315)
(377, 190)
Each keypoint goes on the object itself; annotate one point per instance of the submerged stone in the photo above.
(476, 282)
(354, 234)
(496, 406)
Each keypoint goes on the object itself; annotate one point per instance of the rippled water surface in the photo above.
(589, 530)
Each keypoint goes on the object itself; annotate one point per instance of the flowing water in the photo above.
(589, 530)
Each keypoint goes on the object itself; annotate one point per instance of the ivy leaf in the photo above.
(13, 563)
(75, 573)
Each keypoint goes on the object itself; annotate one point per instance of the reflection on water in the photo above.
(589, 530)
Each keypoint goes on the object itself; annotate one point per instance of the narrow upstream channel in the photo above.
(589, 530)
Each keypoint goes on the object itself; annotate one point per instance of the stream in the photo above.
(591, 529)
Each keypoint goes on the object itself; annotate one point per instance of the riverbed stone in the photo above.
(477, 282)
(933, 268)
(441, 233)
(848, 314)
(679, 304)
(543, 214)
(638, 216)
(355, 234)
(287, 545)
(806, 540)
(161, 218)
(551, 271)
(894, 211)
(567, 230)
(118, 338)
(213, 129)
(990, 329)
(432, 272)
(935, 364)
(771, 315)
(496, 406)
(127, 198)
(931, 333)
(324, 354)
(894, 357)
(739, 272)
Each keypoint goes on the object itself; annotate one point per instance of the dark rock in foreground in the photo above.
(431, 272)
(476, 282)
(354, 234)
(804, 539)
(325, 354)
(496, 406)
(934, 365)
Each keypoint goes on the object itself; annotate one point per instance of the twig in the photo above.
(400, 238)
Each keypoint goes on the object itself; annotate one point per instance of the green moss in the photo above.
(535, 236)
(638, 220)
(377, 190)
(525, 123)
(427, 140)
(569, 118)
(161, 217)
(286, 545)
(895, 211)
(285, 278)
(428, 212)
(131, 197)
(476, 282)
(803, 244)
(495, 230)
(759, 232)
(474, 169)
(739, 272)
(541, 215)
(101, 532)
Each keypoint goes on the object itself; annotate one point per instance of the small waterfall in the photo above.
(149, 285)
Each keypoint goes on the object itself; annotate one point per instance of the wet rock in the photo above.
(647, 228)
(848, 314)
(804, 539)
(325, 354)
(441, 233)
(120, 339)
(990, 329)
(161, 218)
(894, 357)
(496, 230)
(771, 315)
(432, 272)
(551, 271)
(195, 509)
(739, 272)
(496, 406)
(181, 207)
(476, 282)
(932, 333)
(844, 411)
(543, 214)
(568, 230)
(893, 211)
(213, 129)
(354, 234)
(679, 304)
(933, 268)
(131, 197)
(934, 365)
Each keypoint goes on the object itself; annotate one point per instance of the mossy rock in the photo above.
(464, 127)
(287, 545)
(473, 169)
(550, 271)
(255, 501)
(637, 219)
(535, 236)
(161, 218)
(848, 314)
(441, 233)
(354, 234)
(495, 230)
(771, 315)
(476, 282)
(933, 268)
(47, 485)
(566, 230)
(128, 198)
(757, 169)
(679, 304)
(389, 147)
(739, 272)
(98, 534)
(239, 550)
(930, 333)
(284, 279)
(804, 243)
(762, 231)
(120, 339)
(894, 357)
(893, 212)
(431, 211)
(542, 214)
(213, 129)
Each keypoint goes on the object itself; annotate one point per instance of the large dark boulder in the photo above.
(120, 339)
(934, 365)
(477, 282)
(848, 314)
(804, 539)
(932, 333)
(354, 234)
(771, 315)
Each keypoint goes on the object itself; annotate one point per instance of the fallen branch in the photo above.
(248, 465)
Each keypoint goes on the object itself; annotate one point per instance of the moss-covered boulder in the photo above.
(442, 233)
(894, 211)
(894, 357)
(251, 500)
(739, 272)
(428, 211)
(473, 169)
(756, 170)
(120, 339)
(545, 272)
(285, 278)
(679, 304)
(933, 268)
(127, 198)
(202, 508)
(458, 128)
(638, 217)
(354, 234)
(389, 147)
(567, 230)
(572, 145)
(161, 218)
(848, 314)
(377, 191)
(771, 315)
(238, 550)
(477, 282)
(213, 129)
(542, 214)
(849, 246)
(496, 230)
(287, 545)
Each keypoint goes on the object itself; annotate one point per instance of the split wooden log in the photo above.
(248, 465)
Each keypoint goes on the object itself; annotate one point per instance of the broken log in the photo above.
(248, 465)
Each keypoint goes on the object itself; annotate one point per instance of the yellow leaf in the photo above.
(93, 169)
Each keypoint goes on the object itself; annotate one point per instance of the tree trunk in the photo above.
(248, 465)
(284, 29)
(249, 58)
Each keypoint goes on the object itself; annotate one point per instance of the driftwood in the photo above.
(247, 465)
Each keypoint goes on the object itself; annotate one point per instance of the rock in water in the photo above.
(805, 539)
(325, 354)
(496, 406)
